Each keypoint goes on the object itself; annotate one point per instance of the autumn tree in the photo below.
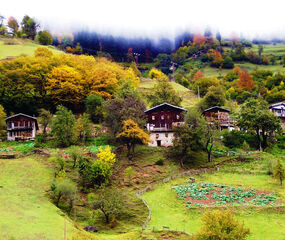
(221, 225)
(62, 127)
(3, 131)
(199, 74)
(13, 25)
(131, 135)
(279, 171)
(245, 81)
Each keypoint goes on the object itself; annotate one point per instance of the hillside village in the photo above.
(113, 145)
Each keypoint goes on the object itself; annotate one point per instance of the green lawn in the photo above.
(25, 210)
(168, 211)
(21, 47)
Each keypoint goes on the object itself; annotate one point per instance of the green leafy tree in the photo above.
(64, 189)
(130, 173)
(221, 225)
(163, 92)
(109, 201)
(255, 116)
(74, 152)
(202, 85)
(45, 119)
(119, 110)
(44, 38)
(100, 172)
(63, 127)
(94, 107)
(29, 27)
(189, 137)
(214, 97)
(83, 127)
(279, 171)
(3, 131)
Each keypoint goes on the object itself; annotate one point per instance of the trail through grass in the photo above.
(25, 210)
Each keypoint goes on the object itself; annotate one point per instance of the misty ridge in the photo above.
(145, 48)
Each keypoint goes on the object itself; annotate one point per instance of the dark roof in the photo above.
(165, 104)
(277, 104)
(216, 107)
(21, 114)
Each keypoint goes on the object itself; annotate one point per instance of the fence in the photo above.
(150, 186)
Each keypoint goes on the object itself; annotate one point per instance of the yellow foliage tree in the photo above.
(106, 155)
(131, 135)
(157, 75)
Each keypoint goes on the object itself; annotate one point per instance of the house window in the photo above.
(177, 116)
(153, 117)
(166, 135)
(162, 117)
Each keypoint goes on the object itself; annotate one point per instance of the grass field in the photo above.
(25, 210)
(19, 48)
(189, 98)
(264, 223)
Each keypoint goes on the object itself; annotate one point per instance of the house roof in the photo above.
(165, 104)
(276, 105)
(216, 107)
(21, 114)
(25, 115)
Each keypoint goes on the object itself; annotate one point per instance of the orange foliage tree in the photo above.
(199, 74)
(245, 81)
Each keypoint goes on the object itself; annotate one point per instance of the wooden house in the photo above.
(220, 116)
(21, 127)
(160, 122)
(279, 110)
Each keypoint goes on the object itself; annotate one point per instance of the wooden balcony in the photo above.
(20, 128)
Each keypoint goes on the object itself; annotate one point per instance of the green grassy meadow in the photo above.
(20, 48)
(264, 223)
(25, 210)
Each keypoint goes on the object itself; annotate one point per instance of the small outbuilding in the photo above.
(219, 115)
(21, 127)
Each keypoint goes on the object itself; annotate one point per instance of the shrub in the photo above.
(74, 152)
(270, 165)
(221, 225)
(279, 171)
(100, 172)
(160, 162)
(130, 173)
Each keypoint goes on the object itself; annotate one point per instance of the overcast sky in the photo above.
(153, 18)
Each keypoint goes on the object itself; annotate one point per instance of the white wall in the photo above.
(166, 141)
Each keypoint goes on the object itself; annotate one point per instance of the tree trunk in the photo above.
(58, 199)
(259, 140)
(129, 146)
(281, 181)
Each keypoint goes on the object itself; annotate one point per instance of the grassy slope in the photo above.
(167, 210)
(22, 47)
(189, 98)
(25, 210)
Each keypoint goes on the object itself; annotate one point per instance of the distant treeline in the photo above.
(122, 49)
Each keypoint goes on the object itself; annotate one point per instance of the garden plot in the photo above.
(211, 195)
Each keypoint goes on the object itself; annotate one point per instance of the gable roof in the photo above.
(21, 114)
(281, 104)
(216, 107)
(165, 104)
(25, 115)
